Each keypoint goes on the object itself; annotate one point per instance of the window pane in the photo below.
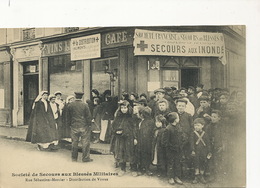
(171, 78)
(65, 75)
(101, 80)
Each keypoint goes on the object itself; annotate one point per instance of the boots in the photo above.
(196, 179)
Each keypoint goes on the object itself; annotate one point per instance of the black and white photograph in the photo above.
(124, 105)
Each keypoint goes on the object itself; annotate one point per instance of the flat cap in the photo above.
(159, 90)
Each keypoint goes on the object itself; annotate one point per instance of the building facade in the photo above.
(35, 59)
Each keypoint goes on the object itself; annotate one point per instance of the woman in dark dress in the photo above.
(42, 123)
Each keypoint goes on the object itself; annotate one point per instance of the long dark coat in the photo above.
(161, 144)
(43, 124)
(144, 142)
(122, 145)
(65, 129)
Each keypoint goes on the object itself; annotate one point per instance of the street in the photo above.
(21, 158)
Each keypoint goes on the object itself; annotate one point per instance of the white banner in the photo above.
(179, 44)
(85, 47)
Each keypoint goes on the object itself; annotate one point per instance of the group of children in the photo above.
(165, 135)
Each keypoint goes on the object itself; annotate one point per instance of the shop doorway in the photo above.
(30, 88)
(105, 75)
(189, 77)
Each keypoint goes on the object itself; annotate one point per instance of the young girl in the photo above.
(159, 146)
(123, 139)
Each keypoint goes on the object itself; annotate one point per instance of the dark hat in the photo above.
(177, 96)
(142, 101)
(191, 87)
(171, 117)
(199, 120)
(182, 100)
(95, 91)
(183, 88)
(159, 90)
(200, 85)
(204, 98)
(143, 95)
(173, 88)
(167, 89)
(51, 97)
(79, 94)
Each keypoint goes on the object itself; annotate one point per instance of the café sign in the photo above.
(87, 47)
(179, 44)
(117, 38)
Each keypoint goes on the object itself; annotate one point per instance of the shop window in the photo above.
(170, 78)
(65, 75)
(105, 75)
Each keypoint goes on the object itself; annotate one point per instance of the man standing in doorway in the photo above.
(79, 119)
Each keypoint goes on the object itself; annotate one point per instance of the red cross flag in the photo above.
(204, 44)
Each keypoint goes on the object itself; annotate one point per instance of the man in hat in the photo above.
(79, 119)
(192, 97)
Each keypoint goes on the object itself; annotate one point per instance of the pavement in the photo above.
(19, 133)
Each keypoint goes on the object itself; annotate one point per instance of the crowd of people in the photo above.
(186, 133)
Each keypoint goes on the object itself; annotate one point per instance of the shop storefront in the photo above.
(123, 59)
(180, 59)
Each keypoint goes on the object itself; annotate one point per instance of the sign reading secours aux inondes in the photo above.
(85, 47)
(179, 44)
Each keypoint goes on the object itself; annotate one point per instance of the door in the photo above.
(31, 85)
(105, 75)
(189, 77)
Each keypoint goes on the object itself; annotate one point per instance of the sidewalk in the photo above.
(19, 133)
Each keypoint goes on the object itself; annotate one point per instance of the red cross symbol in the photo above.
(142, 46)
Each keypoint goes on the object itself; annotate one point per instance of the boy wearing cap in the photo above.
(185, 122)
(173, 139)
(200, 147)
(79, 119)
(204, 109)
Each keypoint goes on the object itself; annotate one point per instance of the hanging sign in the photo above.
(85, 47)
(179, 44)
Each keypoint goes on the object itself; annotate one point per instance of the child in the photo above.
(144, 140)
(159, 145)
(215, 132)
(123, 140)
(173, 138)
(204, 109)
(200, 146)
(186, 125)
(162, 107)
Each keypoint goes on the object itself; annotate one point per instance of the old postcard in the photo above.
(123, 106)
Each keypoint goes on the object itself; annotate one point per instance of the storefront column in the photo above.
(86, 79)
